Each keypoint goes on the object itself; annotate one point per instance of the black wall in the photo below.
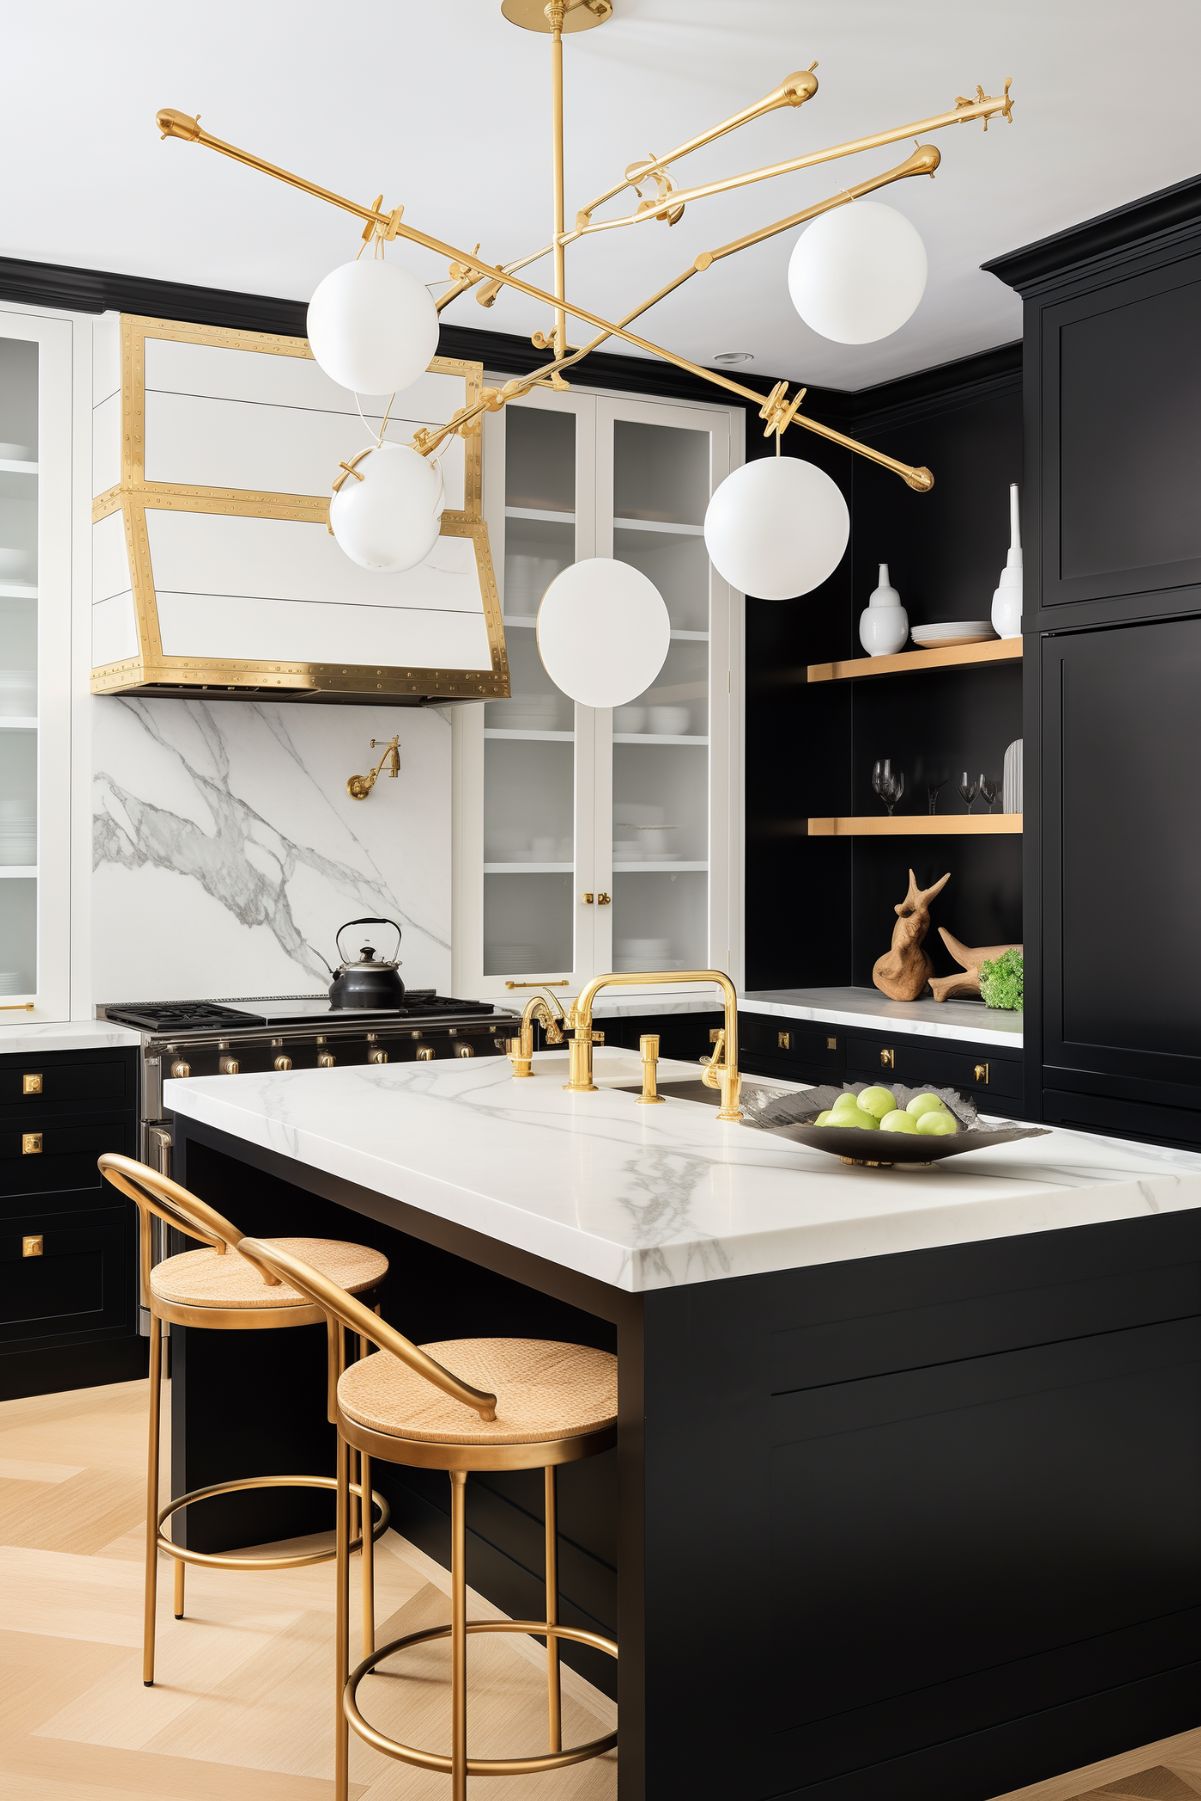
(819, 910)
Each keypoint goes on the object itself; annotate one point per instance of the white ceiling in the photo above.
(445, 107)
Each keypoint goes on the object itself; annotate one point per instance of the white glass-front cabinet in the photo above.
(35, 665)
(593, 840)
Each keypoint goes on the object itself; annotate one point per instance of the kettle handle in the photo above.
(364, 922)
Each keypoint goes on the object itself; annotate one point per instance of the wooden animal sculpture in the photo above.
(903, 971)
(966, 980)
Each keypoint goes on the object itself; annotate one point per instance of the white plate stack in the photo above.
(1011, 779)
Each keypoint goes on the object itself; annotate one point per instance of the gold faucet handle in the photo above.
(649, 1045)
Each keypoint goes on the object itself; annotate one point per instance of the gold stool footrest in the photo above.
(476, 1766)
(288, 1560)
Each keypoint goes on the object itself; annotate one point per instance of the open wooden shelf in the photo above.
(915, 825)
(954, 656)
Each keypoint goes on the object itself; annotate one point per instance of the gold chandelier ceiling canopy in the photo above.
(658, 199)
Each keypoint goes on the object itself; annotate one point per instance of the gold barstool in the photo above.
(462, 1405)
(216, 1288)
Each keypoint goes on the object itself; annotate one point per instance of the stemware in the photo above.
(968, 789)
(881, 771)
(933, 790)
(988, 789)
(889, 784)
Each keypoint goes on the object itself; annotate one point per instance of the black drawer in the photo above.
(67, 1274)
(51, 1083)
(53, 1155)
(975, 1069)
(799, 1041)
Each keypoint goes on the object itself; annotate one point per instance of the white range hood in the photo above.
(213, 568)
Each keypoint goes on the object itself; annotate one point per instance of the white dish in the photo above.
(14, 563)
(16, 453)
(671, 722)
(952, 631)
(629, 719)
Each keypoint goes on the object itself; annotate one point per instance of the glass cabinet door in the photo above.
(657, 466)
(536, 773)
(35, 527)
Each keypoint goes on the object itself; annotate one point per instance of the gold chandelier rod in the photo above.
(173, 123)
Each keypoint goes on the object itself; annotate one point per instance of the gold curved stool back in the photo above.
(344, 1311)
(160, 1197)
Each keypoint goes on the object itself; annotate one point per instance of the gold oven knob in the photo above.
(228, 1066)
(425, 1053)
(325, 1060)
(377, 1056)
(464, 1050)
(282, 1062)
(180, 1069)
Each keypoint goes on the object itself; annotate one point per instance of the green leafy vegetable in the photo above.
(1001, 980)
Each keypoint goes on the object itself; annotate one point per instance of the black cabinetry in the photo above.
(801, 1050)
(68, 1295)
(1113, 668)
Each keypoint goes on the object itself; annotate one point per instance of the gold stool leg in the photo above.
(458, 1634)
(150, 1593)
(180, 1567)
(367, 1516)
(554, 1686)
(342, 1624)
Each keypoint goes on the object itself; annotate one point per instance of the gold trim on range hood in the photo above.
(154, 672)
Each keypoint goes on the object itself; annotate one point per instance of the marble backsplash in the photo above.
(226, 851)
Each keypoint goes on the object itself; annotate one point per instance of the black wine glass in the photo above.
(988, 789)
(968, 789)
(933, 790)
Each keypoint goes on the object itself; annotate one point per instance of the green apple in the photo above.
(925, 1103)
(859, 1117)
(937, 1123)
(846, 1102)
(878, 1101)
(898, 1121)
(824, 1118)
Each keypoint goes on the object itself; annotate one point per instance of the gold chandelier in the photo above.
(657, 199)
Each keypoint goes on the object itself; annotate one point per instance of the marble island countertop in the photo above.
(648, 1197)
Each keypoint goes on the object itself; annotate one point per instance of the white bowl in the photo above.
(671, 722)
(16, 453)
(629, 719)
(14, 563)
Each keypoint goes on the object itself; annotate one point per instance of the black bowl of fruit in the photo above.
(869, 1124)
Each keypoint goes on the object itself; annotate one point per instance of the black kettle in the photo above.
(370, 982)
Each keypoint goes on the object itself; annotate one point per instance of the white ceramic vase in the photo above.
(883, 623)
(1007, 596)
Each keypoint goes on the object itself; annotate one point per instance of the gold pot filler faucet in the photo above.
(720, 1070)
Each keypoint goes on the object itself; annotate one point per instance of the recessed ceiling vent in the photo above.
(213, 569)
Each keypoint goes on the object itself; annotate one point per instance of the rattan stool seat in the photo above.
(545, 1392)
(208, 1278)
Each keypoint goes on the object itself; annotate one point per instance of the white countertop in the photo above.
(970, 1020)
(69, 1035)
(648, 1197)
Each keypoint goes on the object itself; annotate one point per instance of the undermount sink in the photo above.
(689, 1088)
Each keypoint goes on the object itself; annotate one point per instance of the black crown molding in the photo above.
(1153, 222)
(966, 380)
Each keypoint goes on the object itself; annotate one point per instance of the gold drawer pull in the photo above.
(831, 1044)
(31, 1144)
(556, 982)
(32, 1245)
(31, 1083)
(888, 1057)
(981, 1073)
(784, 1041)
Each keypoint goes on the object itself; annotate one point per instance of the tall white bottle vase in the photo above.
(1007, 597)
(883, 623)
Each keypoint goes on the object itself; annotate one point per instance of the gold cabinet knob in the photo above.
(464, 1050)
(831, 1044)
(588, 897)
(325, 1060)
(604, 900)
(981, 1074)
(31, 1083)
(784, 1041)
(228, 1066)
(282, 1062)
(888, 1057)
(33, 1245)
(377, 1056)
(180, 1069)
(425, 1053)
(31, 1144)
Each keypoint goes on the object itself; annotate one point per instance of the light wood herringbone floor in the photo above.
(243, 1704)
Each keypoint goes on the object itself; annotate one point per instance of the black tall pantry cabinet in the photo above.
(1112, 704)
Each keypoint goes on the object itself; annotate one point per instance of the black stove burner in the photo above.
(178, 1017)
(183, 1016)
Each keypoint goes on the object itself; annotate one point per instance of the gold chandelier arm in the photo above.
(962, 113)
(176, 124)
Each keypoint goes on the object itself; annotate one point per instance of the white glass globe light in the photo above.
(372, 326)
(857, 274)
(390, 519)
(603, 632)
(777, 527)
